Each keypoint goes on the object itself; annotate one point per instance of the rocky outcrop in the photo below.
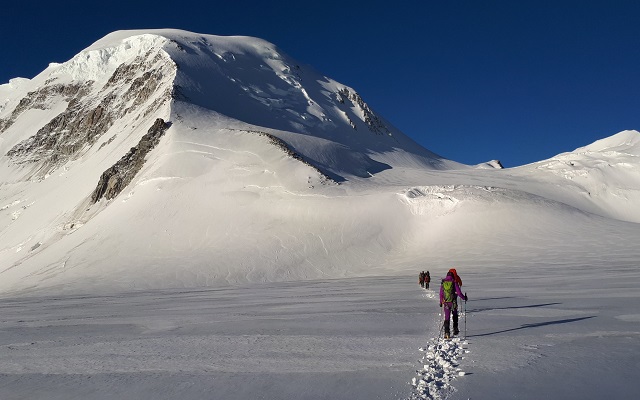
(91, 113)
(374, 123)
(115, 179)
(64, 135)
(41, 98)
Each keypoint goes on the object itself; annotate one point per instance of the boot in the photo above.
(447, 332)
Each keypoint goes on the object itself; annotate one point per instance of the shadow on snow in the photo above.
(494, 298)
(475, 310)
(526, 326)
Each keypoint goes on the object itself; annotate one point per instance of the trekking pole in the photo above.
(465, 316)
(441, 324)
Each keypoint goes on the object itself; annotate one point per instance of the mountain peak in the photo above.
(624, 142)
(250, 80)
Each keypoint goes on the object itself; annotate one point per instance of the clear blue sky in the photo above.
(474, 80)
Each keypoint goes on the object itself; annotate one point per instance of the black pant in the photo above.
(454, 312)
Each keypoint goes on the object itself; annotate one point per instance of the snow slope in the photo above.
(602, 177)
(229, 101)
(268, 171)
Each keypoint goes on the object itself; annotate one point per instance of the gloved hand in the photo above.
(440, 304)
(466, 297)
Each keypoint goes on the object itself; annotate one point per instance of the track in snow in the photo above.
(440, 365)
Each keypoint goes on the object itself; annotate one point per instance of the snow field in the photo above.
(339, 339)
(532, 331)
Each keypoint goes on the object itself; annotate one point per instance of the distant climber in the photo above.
(449, 292)
(427, 279)
(421, 278)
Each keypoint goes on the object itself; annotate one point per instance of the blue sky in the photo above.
(518, 81)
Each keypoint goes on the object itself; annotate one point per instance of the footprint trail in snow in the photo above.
(440, 366)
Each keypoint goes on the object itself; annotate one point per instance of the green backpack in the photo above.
(449, 291)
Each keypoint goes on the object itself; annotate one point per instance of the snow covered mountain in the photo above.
(602, 177)
(164, 158)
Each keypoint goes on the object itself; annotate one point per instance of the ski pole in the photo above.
(441, 323)
(465, 315)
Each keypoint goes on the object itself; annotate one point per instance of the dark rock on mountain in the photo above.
(116, 178)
